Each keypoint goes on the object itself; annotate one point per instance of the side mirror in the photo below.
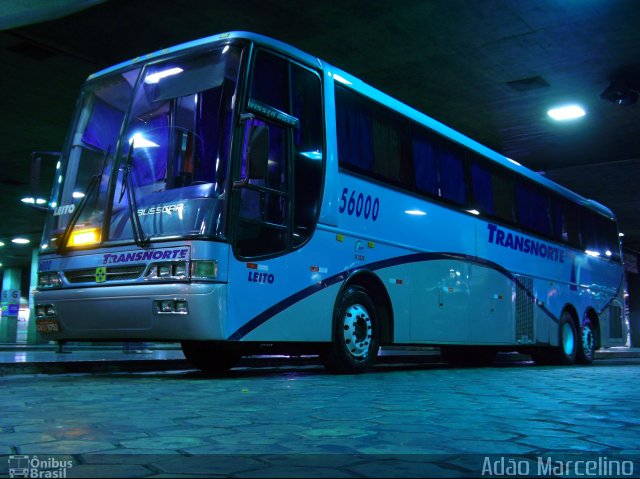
(35, 180)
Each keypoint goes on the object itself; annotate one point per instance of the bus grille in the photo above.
(524, 309)
(114, 273)
(615, 321)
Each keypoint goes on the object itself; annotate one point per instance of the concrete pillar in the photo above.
(33, 336)
(10, 305)
(633, 287)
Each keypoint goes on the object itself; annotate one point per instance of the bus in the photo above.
(241, 197)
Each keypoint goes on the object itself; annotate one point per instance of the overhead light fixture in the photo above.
(621, 235)
(620, 92)
(20, 241)
(567, 112)
(1, 243)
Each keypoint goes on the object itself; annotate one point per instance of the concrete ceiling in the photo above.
(490, 69)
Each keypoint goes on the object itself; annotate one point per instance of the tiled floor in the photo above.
(425, 420)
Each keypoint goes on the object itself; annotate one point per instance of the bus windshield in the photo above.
(149, 154)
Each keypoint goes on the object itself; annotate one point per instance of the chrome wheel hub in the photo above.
(357, 331)
(587, 340)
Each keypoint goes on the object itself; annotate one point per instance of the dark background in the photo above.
(489, 69)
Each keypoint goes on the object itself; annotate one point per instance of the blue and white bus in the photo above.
(243, 197)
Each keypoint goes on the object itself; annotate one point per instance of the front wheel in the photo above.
(208, 357)
(355, 342)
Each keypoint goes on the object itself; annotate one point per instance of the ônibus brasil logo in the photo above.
(33, 466)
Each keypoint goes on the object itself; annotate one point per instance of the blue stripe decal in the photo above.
(337, 278)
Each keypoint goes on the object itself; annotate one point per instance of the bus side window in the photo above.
(600, 236)
(439, 168)
(451, 174)
(308, 147)
(565, 219)
(424, 161)
(533, 208)
(492, 190)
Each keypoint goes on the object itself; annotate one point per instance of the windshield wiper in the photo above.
(127, 185)
(93, 185)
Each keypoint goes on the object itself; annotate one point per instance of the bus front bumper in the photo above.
(160, 312)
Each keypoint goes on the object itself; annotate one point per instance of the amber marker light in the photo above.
(84, 237)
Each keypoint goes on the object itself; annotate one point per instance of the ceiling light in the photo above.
(20, 241)
(569, 112)
(30, 200)
(621, 234)
(620, 93)
(1, 243)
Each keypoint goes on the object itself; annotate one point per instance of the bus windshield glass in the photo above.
(149, 154)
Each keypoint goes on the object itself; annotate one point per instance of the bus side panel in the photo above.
(307, 320)
(492, 320)
(441, 303)
(400, 284)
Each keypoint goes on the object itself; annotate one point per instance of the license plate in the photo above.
(47, 325)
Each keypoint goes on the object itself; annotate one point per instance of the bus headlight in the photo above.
(173, 270)
(201, 269)
(50, 279)
(171, 306)
(45, 310)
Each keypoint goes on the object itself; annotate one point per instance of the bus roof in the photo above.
(375, 95)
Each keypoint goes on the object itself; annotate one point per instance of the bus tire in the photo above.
(356, 334)
(208, 357)
(586, 343)
(566, 351)
(468, 356)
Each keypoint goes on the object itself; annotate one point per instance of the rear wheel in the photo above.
(568, 344)
(355, 342)
(587, 343)
(208, 357)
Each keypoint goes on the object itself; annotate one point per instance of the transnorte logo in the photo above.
(514, 241)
